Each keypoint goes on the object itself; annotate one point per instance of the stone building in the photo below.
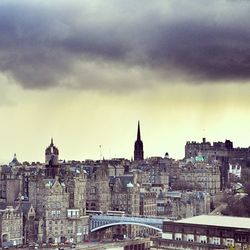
(75, 182)
(76, 212)
(218, 151)
(97, 190)
(58, 195)
(61, 217)
(221, 151)
(115, 170)
(29, 222)
(214, 151)
(177, 204)
(11, 226)
(125, 194)
(148, 209)
(198, 174)
(147, 203)
(153, 171)
(55, 227)
(11, 185)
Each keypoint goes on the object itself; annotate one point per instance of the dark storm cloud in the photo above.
(87, 42)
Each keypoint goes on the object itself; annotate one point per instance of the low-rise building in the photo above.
(205, 232)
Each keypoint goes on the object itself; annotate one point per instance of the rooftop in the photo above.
(216, 220)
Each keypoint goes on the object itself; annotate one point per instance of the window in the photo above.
(56, 213)
(216, 241)
(178, 236)
(190, 237)
(241, 238)
(230, 242)
(93, 190)
(203, 239)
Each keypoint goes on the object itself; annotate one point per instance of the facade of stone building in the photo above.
(153, 171)
(152, 176)
(147, 203)
(77, 221)
(125, 196)
(11, 185)
(97, 190)
(60, 218)
(60, 208)
(115, 170)
(177, 204)
(211, 151)
(203, 176)
(11, 226)
(76, 187)
(55, 227)
(29, 222)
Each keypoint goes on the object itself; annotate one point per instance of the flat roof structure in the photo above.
(218, 220)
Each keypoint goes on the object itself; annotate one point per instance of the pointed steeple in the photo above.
(138, 132)
(138, 148)
(52, 143)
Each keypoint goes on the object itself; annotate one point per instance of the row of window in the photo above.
(203, 239)
(56, 222)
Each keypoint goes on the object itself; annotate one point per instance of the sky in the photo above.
(85, 71)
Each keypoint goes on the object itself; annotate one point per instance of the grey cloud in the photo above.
(45, 45)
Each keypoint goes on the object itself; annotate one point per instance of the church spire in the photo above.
(138, 148)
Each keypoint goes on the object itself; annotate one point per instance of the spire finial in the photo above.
(52, 143)
(138, 132)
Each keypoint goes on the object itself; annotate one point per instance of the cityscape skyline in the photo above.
(124, 124)
(85, 72)
(102, 155)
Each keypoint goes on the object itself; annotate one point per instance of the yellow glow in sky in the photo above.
(80, 121)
